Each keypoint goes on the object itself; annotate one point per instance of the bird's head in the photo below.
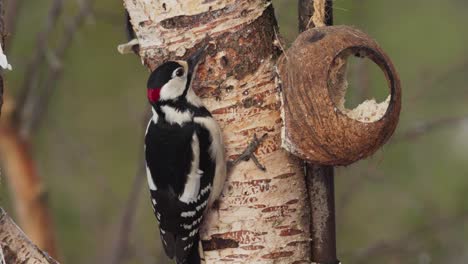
(172, 79)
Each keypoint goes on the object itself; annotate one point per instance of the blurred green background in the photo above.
(406, 204)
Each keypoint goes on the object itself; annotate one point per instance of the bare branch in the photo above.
(431, 80)
(29, 195)
(37, 107)
(119, 248)
(403, 243)
(13, 8)
(32, 71)
(16, 246)
(427, 127)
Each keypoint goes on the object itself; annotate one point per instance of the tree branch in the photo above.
(26, 187)
(38, 105)
(424, 128)
(33, 68)
(13, 8)
(120, 246)
(380, 248)
(16, 246)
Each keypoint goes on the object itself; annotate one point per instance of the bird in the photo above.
(185, 158)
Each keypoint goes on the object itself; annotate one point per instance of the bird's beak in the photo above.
(194, 59)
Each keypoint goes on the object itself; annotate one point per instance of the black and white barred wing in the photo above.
(179, 221)
(179, 208)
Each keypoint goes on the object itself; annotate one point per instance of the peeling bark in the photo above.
(262, 217)
(26, 187)
(16, 246)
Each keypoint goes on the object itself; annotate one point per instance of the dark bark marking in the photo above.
(253, 247)
(218, 243)
(291, 232)
(279, 254)
(178, 22)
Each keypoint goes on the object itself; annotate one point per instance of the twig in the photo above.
(39, 104)
(120, 246)
(427, 127)
(440, 77)
(33, 68)
(402, 243)
(11, 18)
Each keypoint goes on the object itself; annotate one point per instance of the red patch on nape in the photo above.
(153, 94)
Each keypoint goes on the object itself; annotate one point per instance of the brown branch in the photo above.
(33, 68)
(402, 244)
(15, 152)
(119, 248)
(13, 8)
(39, 104)
(424, 128)
(431, 80)
(27, 189)
(16, 246)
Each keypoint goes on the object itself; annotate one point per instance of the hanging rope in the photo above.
(321, 15)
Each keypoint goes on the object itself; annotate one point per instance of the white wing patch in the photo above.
(151, 184)
(192, 186)
(175, 116)
(216, 153)
(4, 61)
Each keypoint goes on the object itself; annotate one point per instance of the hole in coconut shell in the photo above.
(350, 102)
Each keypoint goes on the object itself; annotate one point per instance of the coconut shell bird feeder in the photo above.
(317, 126)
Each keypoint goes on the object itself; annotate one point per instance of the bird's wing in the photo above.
(180, 176)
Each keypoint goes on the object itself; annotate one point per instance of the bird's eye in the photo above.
(179, 72)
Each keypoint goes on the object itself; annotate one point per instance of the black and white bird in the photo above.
(185, 158)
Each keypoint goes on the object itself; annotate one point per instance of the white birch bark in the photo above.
(262, 217)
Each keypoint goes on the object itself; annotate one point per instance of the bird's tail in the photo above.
(195, 256)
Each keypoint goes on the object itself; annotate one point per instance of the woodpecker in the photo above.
(185, 158)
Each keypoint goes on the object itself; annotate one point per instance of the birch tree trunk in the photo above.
(262, 217)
